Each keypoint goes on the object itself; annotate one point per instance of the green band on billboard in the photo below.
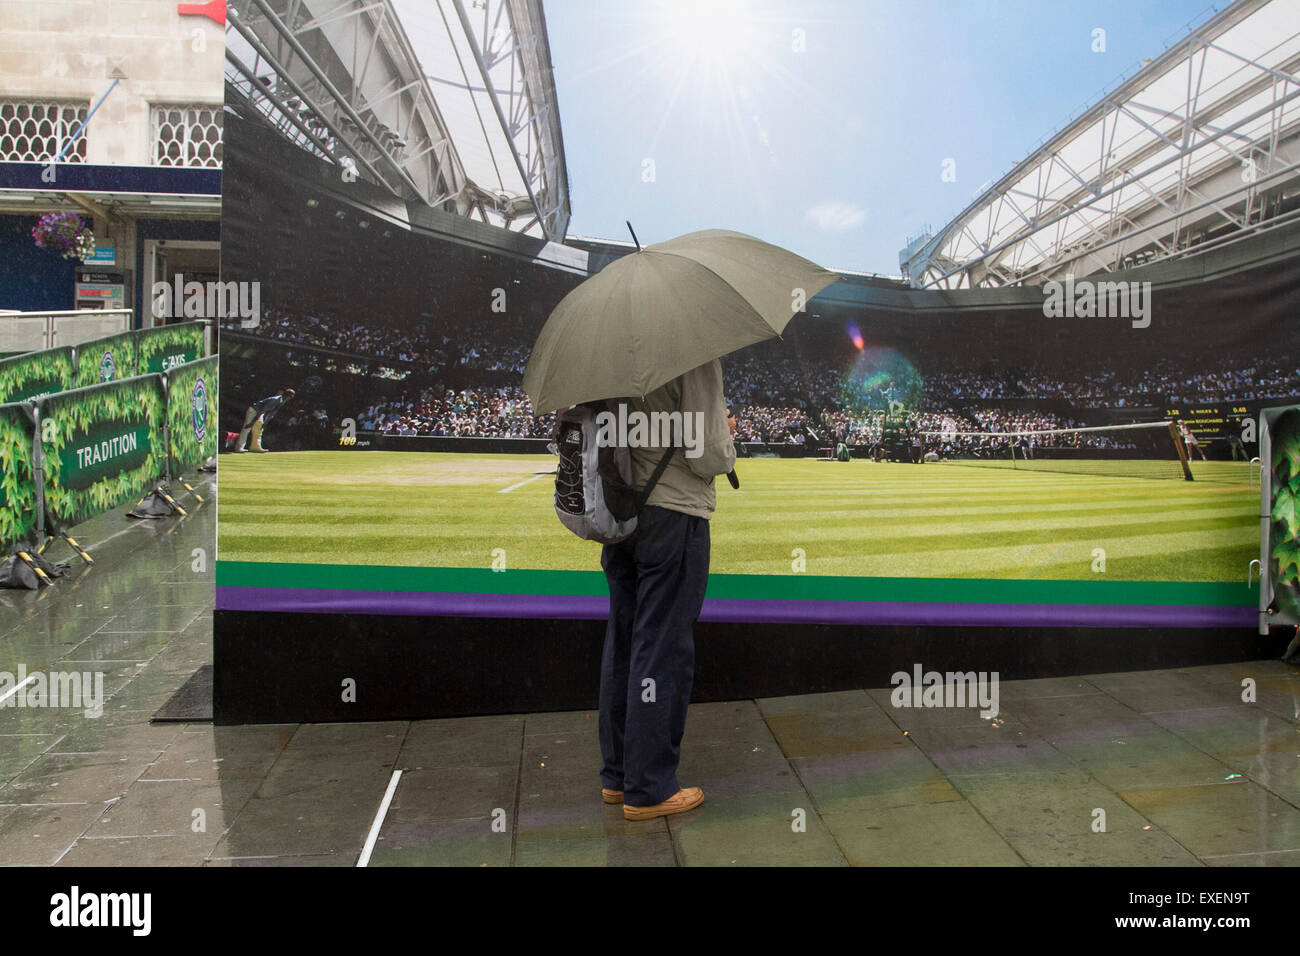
(17, 488)
(748, 587)
(192, 413)
(102, 446)
(28, 377)
(164, 348)
(109, 359)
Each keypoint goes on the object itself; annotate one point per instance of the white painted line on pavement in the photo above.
(17, 688)
(379, 820)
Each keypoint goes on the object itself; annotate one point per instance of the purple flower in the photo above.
(65, 233)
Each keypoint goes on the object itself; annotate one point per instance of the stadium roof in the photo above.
(450, 103)
(1199, 147)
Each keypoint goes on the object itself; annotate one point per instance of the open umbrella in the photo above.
(663, 310)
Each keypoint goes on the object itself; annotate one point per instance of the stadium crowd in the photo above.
(779, 394)
(466, 346)
(1168, 381)
(943, 430)
(472, 412)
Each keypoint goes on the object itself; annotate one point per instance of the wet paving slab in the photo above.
(1237, 818)
(1175, 767)
(950, 833)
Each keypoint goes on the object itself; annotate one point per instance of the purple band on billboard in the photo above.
(578, 607)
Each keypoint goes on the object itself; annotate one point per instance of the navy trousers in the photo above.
(656, 581)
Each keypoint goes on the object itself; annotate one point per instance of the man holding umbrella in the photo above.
(651, 327)
(657, 579)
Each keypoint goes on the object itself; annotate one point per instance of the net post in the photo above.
(1182, 451)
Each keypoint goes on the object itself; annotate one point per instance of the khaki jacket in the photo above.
(687, 483)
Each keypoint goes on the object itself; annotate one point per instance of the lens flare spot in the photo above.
(855, 335)
(880, 379)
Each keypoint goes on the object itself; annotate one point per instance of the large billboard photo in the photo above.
(901, 459)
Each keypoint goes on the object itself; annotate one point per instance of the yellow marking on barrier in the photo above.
(81, 552)
(35, 567)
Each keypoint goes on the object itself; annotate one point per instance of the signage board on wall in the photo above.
(102, 256)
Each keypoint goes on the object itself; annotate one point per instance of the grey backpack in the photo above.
(594, 495)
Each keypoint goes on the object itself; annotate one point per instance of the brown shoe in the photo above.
(686, 799)
(611, 796)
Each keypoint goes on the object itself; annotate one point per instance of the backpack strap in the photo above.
(655, 476)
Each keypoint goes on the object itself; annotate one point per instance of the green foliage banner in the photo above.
(28, 377)
(17, 486)
(102, 446)
(192, 413)
(106, 360)
(1284, 542)
(167, 346)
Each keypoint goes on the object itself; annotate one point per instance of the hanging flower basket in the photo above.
(64, 233)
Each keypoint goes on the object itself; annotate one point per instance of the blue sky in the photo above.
(836, 151)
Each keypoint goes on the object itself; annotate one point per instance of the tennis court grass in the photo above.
(855, 518)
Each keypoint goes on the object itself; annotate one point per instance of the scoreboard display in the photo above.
(1211, 423)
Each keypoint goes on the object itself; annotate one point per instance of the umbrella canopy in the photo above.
(657, 313)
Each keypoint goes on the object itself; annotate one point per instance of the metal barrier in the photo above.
(34, 331)
(149, 428)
